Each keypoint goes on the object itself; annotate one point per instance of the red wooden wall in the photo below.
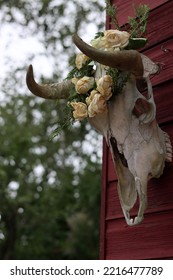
(153, 239)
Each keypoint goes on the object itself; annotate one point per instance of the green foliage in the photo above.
(41, 188)
(111, 10)
(138, 24)
(86, 70)
(62, 124)
(99, 34)
(137, 43)
(119, 80)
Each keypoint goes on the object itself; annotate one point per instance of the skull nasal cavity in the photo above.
(117, 154)
(141, 107)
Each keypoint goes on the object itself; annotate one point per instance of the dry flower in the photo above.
(81, 59)
(116, 38)
(97, 106)
(104, 86)
(84, 84)
(80, 110)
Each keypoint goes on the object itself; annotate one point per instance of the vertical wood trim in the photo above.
(103, 202)
(104, 185)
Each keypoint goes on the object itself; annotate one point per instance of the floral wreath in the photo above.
(91, 94)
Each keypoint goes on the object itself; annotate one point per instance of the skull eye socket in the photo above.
(141, 85)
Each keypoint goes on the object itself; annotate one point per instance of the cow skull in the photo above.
(138, 146)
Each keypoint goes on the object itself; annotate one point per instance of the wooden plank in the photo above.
(163, 95)
(125, 7)
(149, 240)
(113, 208)
(157, 30)
(160, 23)
(164, 59)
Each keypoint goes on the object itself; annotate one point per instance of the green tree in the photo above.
(49, 190)
(42, 189)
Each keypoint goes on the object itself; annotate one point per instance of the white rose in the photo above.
(97, 106)
(84, 84)
(81, 59)
(80, 110)
(104, 86)
(98, 43)
(116, 38)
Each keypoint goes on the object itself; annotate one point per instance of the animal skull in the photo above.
(138, 146)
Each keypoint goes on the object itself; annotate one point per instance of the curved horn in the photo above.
(52, 91)
(126, 60)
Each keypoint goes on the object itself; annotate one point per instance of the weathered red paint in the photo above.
(153, 239)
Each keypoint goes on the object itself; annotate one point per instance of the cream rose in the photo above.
(80, 110)
(74, 80)
(104, 86)
(116, 38)
(91, 96)
(84, 84)
(97, 105)
(81, 59)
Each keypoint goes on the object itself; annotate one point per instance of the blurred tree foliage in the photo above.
(49, 190)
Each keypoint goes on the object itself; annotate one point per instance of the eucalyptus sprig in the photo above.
(138, 23)
(86, 70)
(119, 79)
(111, 11)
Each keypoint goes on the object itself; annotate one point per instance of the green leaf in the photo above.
(99, 34)
(137, 43)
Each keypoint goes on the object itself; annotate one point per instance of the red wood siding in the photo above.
(153, 239)
(125, 7)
